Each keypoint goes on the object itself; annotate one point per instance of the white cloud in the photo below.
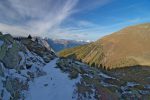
(36, 17)
(15, 30)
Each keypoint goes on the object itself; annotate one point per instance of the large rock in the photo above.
(9, 51)
(12, 58)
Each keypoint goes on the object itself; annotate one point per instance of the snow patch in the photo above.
(131, 84)
(56, 85)
(105, 76)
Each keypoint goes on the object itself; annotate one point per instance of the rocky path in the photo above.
(54, 86)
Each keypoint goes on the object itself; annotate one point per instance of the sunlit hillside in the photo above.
(127, 47)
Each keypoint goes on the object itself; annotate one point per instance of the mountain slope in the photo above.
(127, 47)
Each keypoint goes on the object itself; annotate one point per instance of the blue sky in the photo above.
(71, 19)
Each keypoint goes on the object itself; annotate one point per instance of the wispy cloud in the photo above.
(36, 17)
(95, 31)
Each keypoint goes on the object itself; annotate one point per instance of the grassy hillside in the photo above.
(127, 47)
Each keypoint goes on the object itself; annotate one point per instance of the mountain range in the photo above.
(61, 44)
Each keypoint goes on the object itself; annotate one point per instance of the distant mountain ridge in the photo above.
(60, 44)
(127, 47)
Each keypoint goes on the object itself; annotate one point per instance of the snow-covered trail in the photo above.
(54, 86)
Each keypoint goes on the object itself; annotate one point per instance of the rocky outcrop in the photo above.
(21, 60)
(95, 84)
(40, 47)
(9, 51)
